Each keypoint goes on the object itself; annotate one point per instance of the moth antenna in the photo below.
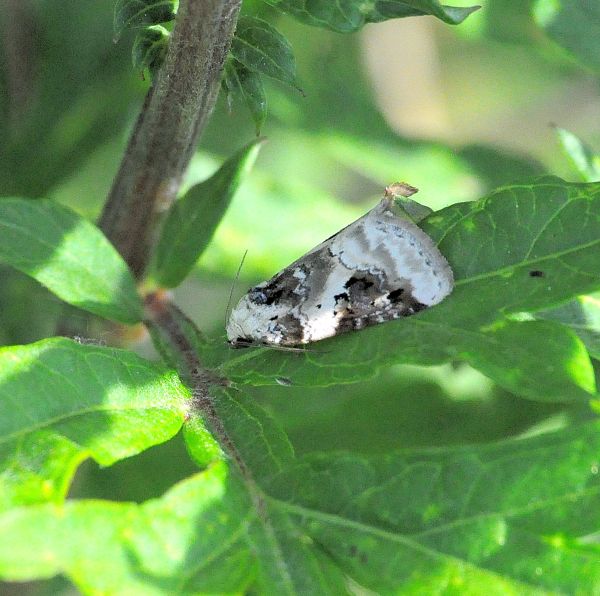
(293, 349)
(278, 348)
(285, 348)
(235, 280)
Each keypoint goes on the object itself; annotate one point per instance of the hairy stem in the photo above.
(172, 118)
(173, 326)
(167, 319)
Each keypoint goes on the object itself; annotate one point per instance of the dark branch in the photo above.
(174, 114)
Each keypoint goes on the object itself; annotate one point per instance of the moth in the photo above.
(379, 268)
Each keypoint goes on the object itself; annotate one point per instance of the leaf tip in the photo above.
(457, 15)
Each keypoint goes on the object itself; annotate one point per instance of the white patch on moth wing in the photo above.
(298, 273)
(315, 297)
(254, 322)
(381, 241)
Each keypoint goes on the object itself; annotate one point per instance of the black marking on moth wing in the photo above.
(282, 287)
(369, 298)
(350, 319)
(368, 293)
(291, 329)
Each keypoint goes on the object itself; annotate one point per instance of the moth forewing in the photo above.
(380, 267)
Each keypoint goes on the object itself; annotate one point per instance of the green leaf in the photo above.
(583, 316)
(510, 518)
(574, 25)
(289, 563)
(193, 219)
(136, 14)
(189, 541)
(261, 48)
(350, 15)
(544, 362)
(68, 255)
(524, 248)
(61, 402)
(248, 86)
(150, 48)
(585, 160)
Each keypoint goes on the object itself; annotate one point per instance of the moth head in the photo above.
(241, 326)
(236, 335)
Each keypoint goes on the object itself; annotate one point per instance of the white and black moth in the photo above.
(380, 267)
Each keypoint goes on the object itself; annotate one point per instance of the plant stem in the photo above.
(165, 135)
(171, 324)
(166, 319)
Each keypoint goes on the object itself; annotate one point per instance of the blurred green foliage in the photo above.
(68, 97)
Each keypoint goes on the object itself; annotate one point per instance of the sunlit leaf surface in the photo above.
(68, 255)
(61, 402)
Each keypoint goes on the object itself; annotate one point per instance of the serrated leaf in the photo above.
(135, 14)
(261, 48)
(510, 518)
(193, 219)
(350, 15)
(150, 48)
(68, 255)
(193, 540)
(585, 160)
(61, 402)
(574, 25)
(248, 86)
(522, 249)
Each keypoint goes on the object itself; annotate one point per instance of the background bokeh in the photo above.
(455, 111)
